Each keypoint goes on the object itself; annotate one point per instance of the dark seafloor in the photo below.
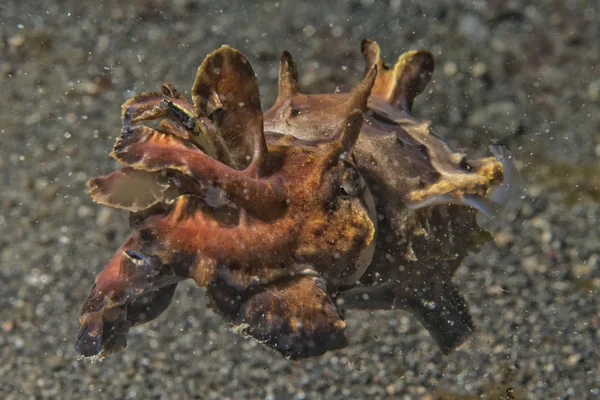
(523, 74)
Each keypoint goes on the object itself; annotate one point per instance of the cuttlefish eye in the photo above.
(349, 182)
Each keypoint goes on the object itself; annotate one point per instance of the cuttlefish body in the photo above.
(429, 198)
(272, 225)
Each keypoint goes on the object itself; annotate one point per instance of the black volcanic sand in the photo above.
(509, 72)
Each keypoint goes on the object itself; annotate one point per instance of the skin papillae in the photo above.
(429, 198)
(270, 224)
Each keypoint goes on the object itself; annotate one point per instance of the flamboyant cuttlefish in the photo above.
(274, 217)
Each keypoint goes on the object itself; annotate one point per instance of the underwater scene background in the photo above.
(514, 73)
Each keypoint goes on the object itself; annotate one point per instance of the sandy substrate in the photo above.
(508, 72)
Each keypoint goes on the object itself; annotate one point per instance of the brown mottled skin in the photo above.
(274, 218)
(268, 226)
(420, 185)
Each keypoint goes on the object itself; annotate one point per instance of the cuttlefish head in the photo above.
(331, 193)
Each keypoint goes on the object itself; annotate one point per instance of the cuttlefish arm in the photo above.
(495, 190)
(146, 149)
(225, 124)
(132, 289)
(128, 188)
(226, 92)
(294, 316)
(180, 119)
